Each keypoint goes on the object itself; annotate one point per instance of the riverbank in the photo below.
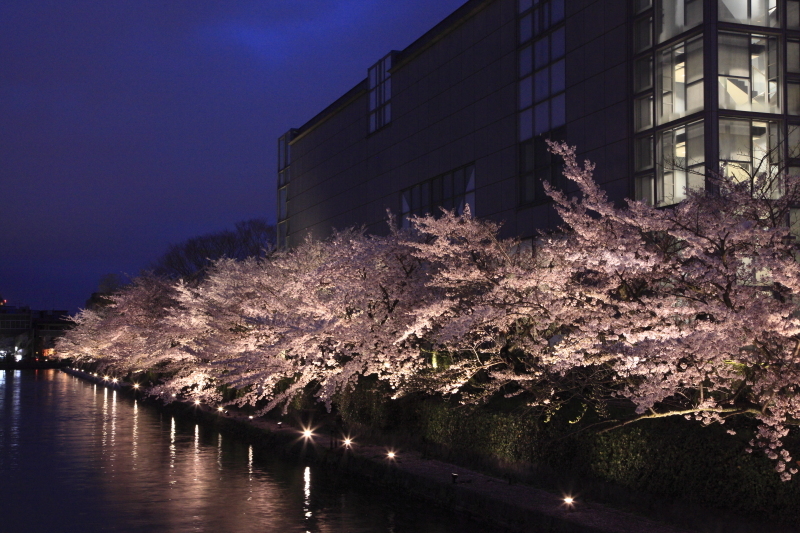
(519, 508)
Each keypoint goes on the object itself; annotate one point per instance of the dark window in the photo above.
(380, 94)
(542, 84)
(452, 190)
(537, 165)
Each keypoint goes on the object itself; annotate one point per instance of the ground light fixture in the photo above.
(114, 380)
(347, 442)
(135, 385)
(569, 502)
(197, 402)
(391, 455)
(220, 409)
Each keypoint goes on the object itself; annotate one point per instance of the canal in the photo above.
(76, 456)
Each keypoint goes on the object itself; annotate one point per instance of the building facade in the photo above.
(656, 92)
(29, 334)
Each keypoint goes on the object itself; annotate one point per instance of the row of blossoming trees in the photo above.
(686, 311)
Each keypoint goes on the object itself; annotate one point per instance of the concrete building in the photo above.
(655, 92)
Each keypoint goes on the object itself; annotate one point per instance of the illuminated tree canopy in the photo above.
(683, 311)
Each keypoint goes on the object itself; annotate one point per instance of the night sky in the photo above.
(129, 125)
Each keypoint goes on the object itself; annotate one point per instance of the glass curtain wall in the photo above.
(679, 80)
(748, 72)
(668, 86)
(681, 156)
(752, 12)
(674, 17)
(750, 151)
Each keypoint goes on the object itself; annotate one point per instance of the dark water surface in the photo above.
(80, 457)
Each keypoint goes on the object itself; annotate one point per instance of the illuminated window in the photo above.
(452, 190)
(674, 17)
(643, 166)
(679, 80)
(380, 94)
(753, 12)
(680, 162)
(750, 150)
(748, 73)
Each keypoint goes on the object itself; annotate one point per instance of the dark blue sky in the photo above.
(129, 125)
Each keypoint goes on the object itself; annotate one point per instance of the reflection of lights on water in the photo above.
(307, 492)
(105, 417)
(172, 443)
(135, 429)
(219, 450)
(113, 419)
(250, 461)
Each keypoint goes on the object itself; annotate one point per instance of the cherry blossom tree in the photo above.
(686, 310)
(693, 306)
